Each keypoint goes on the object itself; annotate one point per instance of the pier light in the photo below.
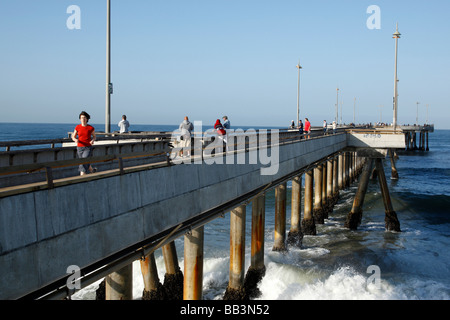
(396, 36)
(298, 66)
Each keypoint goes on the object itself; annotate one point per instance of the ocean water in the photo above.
(338, 264)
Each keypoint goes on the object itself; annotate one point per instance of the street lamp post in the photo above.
(337, 105)
(109, 88)
(381, 114)
(396, 36)
(417, 113)
(298, 66)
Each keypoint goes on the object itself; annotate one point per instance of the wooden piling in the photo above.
(173, 279)
(193, 264)
(355, 215)
(280, 218)
(295, 235)
(318, 210)
(119, 284)
(391, 221)
(308, 225)
(235, 289)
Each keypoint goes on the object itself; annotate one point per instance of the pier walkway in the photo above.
(142, 198)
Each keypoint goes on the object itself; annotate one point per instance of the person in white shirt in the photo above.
(124, 124)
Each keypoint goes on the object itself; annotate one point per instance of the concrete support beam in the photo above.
(257, 269)
(235, 289)
(394, 173)
(391, 221)
(329, 196)
(336, 179)
(119, 284)
(280, 218)
(153, 289)
(173, 279)
(308, 225)
(324, 190)
(340, 171)
(355, 215)
(193, 264)
(318, 210)
(295, 235)
(345, 168)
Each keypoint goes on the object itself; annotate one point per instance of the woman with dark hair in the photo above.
(84, 137)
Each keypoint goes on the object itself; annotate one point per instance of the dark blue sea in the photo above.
(369, 263)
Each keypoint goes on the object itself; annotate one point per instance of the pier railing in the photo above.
(42, 168)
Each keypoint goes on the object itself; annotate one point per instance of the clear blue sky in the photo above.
(209, 58)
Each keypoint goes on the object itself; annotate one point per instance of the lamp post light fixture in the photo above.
(337, 106)
(298, 66)
(396, 36)
(109, 86)
(417, 113)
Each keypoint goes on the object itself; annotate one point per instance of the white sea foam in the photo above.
(283, 282)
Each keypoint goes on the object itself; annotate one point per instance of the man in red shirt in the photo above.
(84, 137)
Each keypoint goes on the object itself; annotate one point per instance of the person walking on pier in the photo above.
(334, 127)
(221, 131)
(325, 127)
(300, 127)
(186, 128)
(226, 126)
(84, 137)
(124, 125)
(307, 127)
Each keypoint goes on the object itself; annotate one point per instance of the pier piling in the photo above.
(391, 220)
(153, 289)
(324, 191)
(394, 173)
(295, 235)
(193, 264)
(308, 225)
(119, 284)
(280, 218)
(355, 215)
(257, 269)
(235, 289)
(318, 210)
(329, 192)
(340, 171)
(173, 279)
(335, 180)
